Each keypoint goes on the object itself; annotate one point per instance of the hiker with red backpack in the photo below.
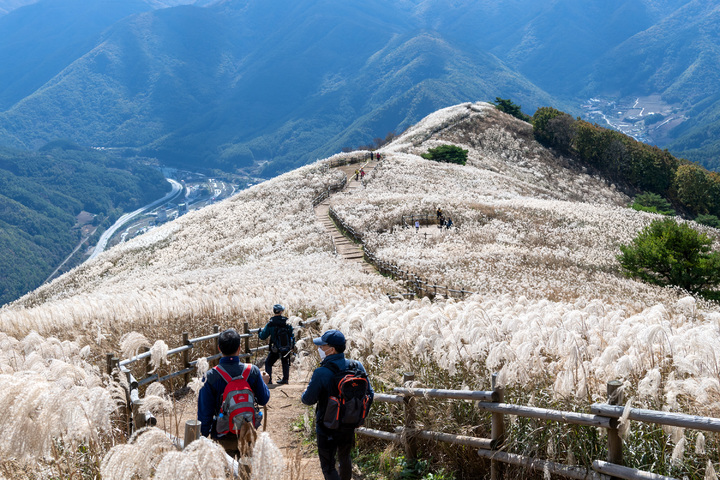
(343, 395)
(282, 343)
(230, 395)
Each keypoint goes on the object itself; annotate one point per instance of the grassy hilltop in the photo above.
(537, 240)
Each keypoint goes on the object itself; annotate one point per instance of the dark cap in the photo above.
(334, 338)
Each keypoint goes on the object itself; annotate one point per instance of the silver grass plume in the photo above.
(158, 354)
(267, 460)
(624, 421)
(37, 411)
(700, 444)
(139, 457)
(198, 380)
(203, 459)
(710, 472)
(678, 452)
(131, 343)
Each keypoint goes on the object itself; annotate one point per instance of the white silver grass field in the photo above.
(537, 240)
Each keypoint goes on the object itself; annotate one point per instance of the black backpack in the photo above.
(283, 340)
(349, 402)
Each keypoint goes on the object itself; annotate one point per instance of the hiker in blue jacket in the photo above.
(210, 397)
(331, 346)
(282, 342)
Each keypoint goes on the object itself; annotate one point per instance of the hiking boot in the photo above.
(283, 382)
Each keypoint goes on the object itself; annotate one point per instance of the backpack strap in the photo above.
(351, 365)
(332, 367)
(228, 378)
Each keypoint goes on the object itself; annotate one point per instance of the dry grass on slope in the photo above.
(521, 228)
(220, 265)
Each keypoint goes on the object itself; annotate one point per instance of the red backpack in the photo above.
(238, 402)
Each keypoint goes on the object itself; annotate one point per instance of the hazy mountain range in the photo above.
(239, 83)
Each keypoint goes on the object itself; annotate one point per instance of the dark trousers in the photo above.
(284, 361)
(338, 444)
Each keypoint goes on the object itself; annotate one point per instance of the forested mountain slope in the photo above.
(41, 195)
(243, 82)
(267, 86)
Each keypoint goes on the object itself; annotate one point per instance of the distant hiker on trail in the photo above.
(439, 214)
(226, 402)
(448, 224)
(343, 395)
(362, 173)
(282, 343)
(357, 173)
(417, 225)
(372, 156)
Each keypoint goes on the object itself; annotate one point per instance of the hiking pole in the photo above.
(264, 417)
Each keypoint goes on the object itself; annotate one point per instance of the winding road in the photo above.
(105, 237)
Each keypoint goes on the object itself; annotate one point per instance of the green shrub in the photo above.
(709, 220)
(447, 154)
(652, 202)
(667, 253)
(506, 105)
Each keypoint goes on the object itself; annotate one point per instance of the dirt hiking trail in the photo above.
(287, 418)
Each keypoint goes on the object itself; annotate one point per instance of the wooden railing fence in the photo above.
(322, 196)
(416, 285)
(136, 417)
(604, 415)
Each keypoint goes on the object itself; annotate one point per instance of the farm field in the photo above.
(535, 238)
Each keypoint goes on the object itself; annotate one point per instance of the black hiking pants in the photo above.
(338, 444)
(284, 361)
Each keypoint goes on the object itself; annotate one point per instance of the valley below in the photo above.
(647, 119)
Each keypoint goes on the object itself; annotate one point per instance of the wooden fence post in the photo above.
(109, 362)
(497, 434)
(213, 351)
(148, 367)
(246, 331)
(410, 421)
(192, 432)
(186, 357)
(615, 397)
(138, 415)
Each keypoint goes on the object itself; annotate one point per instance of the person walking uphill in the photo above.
(282, 342)
(228, 396)
(343, 395)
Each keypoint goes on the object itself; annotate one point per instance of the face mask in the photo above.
(322, 354)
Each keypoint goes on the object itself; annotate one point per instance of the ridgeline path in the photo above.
(286, 414)
(345, 247)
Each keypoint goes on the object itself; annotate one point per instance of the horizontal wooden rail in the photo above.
(384, 397)
(547, 414)
(618, 471)
(484, 443)
(539, 465)
(707, 424)
(251, 333)
(453, 394)
(602, 416)
(390, 437)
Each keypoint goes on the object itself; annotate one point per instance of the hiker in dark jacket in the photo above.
(277, 323)
(210, 397)
(331, 442)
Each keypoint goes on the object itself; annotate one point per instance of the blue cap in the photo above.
(334, 338)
